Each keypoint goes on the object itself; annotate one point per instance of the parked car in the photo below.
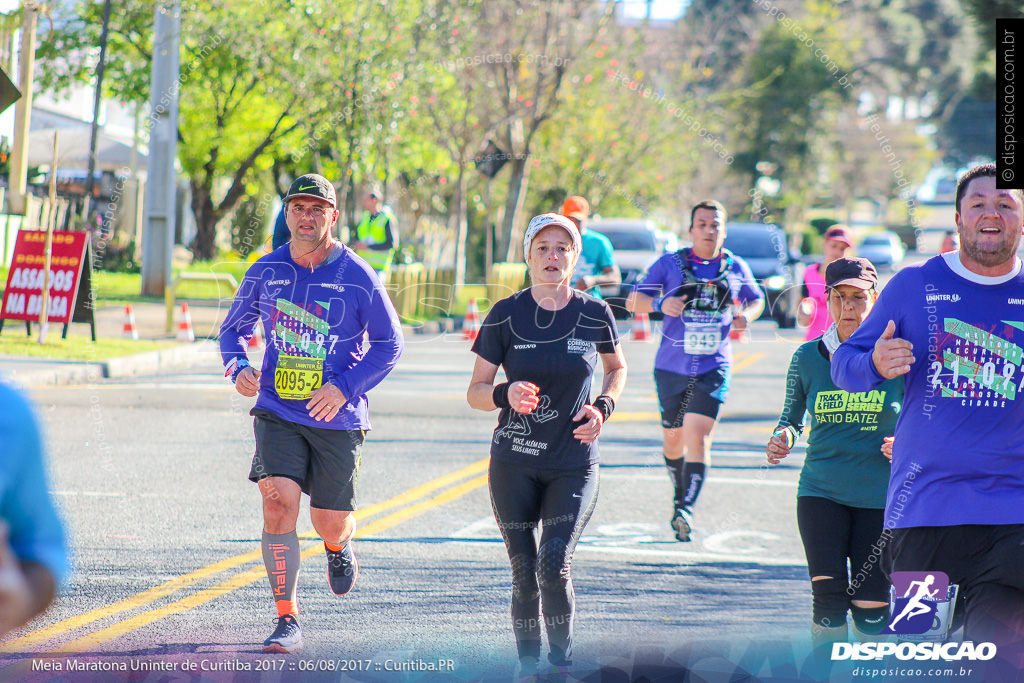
(637, 243)
(775, 267)
(884, 249)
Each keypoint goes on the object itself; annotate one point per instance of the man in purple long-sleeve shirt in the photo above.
(954, 328)
(318, 302)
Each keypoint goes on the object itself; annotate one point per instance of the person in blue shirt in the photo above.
(317, 301)
(281, 232)
(595, 267)
(703, 291)
(33, 551)
(952, 328)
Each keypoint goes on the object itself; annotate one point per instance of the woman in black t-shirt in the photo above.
(544, 454)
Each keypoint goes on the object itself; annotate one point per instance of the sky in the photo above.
(660, 9)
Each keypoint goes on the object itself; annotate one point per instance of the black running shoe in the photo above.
(342, 569)
(286, 638)
(682, 524)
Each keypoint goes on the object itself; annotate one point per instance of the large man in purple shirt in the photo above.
(317, 301)
(954, 328)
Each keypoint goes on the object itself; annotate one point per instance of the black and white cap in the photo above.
(538, 223)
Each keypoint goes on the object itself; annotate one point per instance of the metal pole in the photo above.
(23, 112)
(158, 239)
(51, 220)
(97, 99)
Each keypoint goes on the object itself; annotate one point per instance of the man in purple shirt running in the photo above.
(703, 291)
(953, 327)
(317, 301)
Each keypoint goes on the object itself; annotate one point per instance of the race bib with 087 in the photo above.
(298, 378)
(702, 339)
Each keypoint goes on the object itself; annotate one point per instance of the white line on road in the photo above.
(88, 493)
(716, 480)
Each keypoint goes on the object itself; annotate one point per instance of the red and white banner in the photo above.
(23, 298)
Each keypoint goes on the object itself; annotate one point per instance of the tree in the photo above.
(795, 91)
(233, 108)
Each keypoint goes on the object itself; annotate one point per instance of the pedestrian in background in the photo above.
(596, 265)
(376, 236)
(813, 310)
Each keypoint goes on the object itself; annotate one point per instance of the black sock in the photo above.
(675, 475)
(693, 475)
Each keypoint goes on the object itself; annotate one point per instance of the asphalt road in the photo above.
(150, 475)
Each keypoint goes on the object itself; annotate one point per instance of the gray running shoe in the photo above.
(342, 569)
(286, 638)
(682, 524)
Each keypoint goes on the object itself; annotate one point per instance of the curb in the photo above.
(62, 373)
(122, 366)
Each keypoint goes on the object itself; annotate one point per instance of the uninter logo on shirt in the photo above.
(1016, 302)
(278, 282)
(331, 285)
(579, 346)
(932, 298)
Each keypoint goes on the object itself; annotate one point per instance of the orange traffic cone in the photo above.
(642, 328)
(185, 332)
(471, 326)
(130, 330)
(256, 340)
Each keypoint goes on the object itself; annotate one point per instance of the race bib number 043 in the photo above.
(702, 339)
(298, 378)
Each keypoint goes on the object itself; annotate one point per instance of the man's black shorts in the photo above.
(324, 462)
(985, 560)
(680, 394)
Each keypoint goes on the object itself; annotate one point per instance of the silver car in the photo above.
(884, 249)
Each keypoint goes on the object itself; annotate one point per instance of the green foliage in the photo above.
(639, 119)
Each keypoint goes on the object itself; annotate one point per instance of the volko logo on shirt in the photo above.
(579, 346)
(932, 298)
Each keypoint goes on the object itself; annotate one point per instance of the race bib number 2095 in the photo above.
(298, 378)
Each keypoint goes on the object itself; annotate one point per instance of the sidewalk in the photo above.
(150, 319)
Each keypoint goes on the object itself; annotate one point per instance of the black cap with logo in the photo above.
(312, 185)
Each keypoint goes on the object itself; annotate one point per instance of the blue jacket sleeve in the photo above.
(852, 367)
(240, 323)
(384, 334)
(36, 532)
(282, 235)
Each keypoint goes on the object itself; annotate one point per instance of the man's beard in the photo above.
(998, 255)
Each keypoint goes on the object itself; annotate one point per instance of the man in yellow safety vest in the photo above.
(376, 236)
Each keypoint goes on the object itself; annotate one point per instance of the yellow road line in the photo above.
(29, 641)
(748, 361)
(622, 416)
(256, 573)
